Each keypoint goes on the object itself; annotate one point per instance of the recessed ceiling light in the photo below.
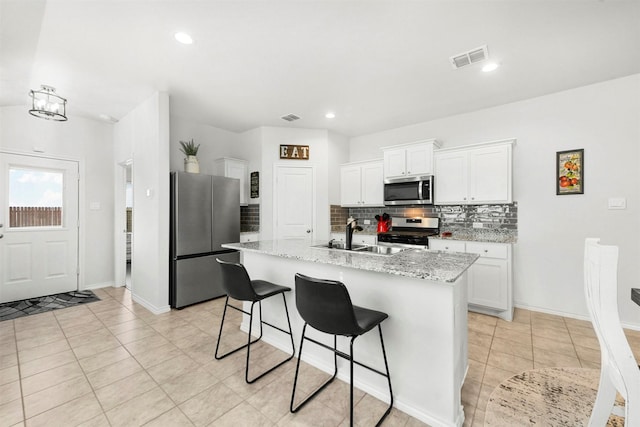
(330, 115)
(490, 67)
(183, 38)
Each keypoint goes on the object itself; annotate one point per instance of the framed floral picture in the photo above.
(570, 172)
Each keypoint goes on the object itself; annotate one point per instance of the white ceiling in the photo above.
(376, 64)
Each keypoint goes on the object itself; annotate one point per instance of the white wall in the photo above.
(251, 143)
(90, 142)
(317, 140)
(144, 135)
(338, 154)
(214, 143)
(604, 120)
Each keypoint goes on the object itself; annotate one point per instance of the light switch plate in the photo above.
(367, 221)
(617, 203)
(477, 225)
(94, 206)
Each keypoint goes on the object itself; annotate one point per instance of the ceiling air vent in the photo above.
(471, 57)
(290, 117)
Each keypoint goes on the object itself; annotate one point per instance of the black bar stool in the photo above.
(238, 285)
(325, 305)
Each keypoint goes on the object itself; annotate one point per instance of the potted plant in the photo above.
(190, 149)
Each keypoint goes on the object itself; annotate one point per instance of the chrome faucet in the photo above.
(352, 224)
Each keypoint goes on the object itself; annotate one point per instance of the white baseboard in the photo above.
(97, 286)
(631, 326)
(152, 308)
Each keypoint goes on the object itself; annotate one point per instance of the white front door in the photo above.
(294, 207)
(39, 226)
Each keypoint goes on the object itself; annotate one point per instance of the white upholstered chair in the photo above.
(619, 369)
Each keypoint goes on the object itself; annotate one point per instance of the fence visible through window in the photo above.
(35, 197)
(34, 216)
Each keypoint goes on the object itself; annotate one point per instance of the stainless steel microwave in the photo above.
(416, 190)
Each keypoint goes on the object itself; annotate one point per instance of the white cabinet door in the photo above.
(474, 175)
(419, 160)
(450, 178)
(488, 285)
(395, 162)
(350, 185)
(447, 245)
(490, 175)
(372, 184)
(489, 275)
(234, 168)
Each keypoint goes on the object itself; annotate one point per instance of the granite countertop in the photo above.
(481, 235)
(415, 263)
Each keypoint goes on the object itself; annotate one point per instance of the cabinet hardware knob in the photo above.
(486, 250)
(1, 236)
(308, 231)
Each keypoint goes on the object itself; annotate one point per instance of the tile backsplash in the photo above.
(504, 216)
(250, 218)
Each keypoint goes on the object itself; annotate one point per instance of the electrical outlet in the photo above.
(477, 225)
(367, 221)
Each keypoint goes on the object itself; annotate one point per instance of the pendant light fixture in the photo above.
(46, 104)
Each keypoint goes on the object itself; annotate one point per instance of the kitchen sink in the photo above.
(363, 249)
(381, 250)
(339, 246)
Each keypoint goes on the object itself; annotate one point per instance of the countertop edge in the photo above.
(454, 275)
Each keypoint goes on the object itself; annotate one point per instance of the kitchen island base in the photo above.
(425, 334)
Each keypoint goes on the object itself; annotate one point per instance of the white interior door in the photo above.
(294, 207)
(39, 226)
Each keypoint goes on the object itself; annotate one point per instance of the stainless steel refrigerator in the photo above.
(205, 213)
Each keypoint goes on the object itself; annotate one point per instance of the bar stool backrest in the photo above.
(619, 368)
(326, 306)
(236, 282)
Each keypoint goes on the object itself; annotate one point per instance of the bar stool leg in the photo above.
(386, 366)
(322, 387)
(250, 342)
(290, 333)
(224, 315)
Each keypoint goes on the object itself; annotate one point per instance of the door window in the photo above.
(35, 197)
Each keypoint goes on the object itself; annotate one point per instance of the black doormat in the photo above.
(25, 307)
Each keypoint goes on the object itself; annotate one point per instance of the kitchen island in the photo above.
(423, 292)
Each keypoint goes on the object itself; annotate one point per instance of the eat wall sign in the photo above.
(294, 152)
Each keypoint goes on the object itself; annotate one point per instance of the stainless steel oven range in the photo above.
(410, 232)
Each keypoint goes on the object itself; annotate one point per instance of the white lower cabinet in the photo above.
(490, 277)
(249, 237)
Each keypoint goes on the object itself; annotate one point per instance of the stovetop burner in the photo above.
(410, 231)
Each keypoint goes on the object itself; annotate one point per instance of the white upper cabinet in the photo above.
(361, 184)
(409, 159)
(475, 174)
(234, 168)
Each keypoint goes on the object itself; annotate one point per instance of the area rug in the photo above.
(15, 309)
(547, 397)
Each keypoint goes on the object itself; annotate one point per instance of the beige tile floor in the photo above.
(113, 363)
